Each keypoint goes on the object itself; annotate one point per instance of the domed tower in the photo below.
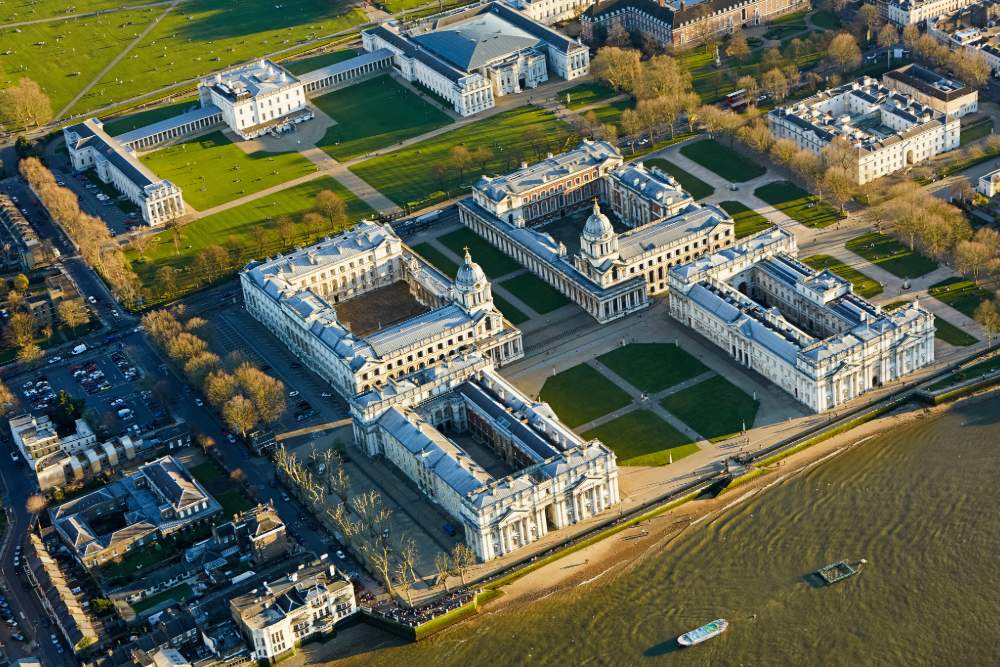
(598, 241)
(472, 290)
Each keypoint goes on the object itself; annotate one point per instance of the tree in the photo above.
(843, 53)
(482, 156)
(29, 353)
(36, 504)
(988, 316)
(462, 558)
(219, 387)
(166, 280)
(619, 68)
(21, 282)
(783, 150)
(238, 476)
(738, 47)
(460, 158)
(839, 186)
(141, 244)
(749, 84)
(7, 400)
(73, 313)
(332, 207)
(911, 33)
(888, 35)
(266, 393)
(439, 173)
(286, 230)
(240, 414)
(971, 257)
(206, 442)
(442, 569)
(21, 328)
(24, 105)
(775, 83)
(197, 368)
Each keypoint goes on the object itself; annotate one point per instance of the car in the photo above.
(340, 555)
(114, 313)
(450, 529)
(326, 394)
(293, 393)
(55, 360)
(231, 438)
(199, 402)
(91, 299)
(284, 496)
(18, 636)
(14, 457)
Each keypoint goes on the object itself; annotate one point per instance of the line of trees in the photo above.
(23, 327)
(244, 395)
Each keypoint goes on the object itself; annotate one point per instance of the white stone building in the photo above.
(805, 331)
(989, 184)
(444, 426)
(278, 617)
(90, 147)
(256, 98)
(550, 11)
(914, 12)
(297, 296)
(948, 96)
(470, 57)
(889, 130)
(974, 27)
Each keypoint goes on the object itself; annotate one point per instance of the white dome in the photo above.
(598, 226)
(470, 275)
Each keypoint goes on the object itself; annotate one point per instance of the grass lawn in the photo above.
(863, 285)
(208, 474)
(441, 261)
(961, 294)
(722, 160)
(968, 373)
(311, 63)
(509, 310)
(976, 131)
(407, 176)
(698, 188)
(642, 438)
(798, 204)
(951, 334)
(493, 262)
(212, 170)
(233, 502)
(715, 408)
(891, 255)
(652, 367)
(611, 113)
(535, 293)
(825, 18)
(139, 561)
(134, 121)
(748, 221)
(374, 114)
(586, 94)
(179, 594)
(237, 226)
(581, 394)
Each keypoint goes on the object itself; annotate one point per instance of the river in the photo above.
(920, 503)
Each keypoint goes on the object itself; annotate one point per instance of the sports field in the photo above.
(211, 170)
(374, 114)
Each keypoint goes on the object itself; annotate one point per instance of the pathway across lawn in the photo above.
(715, 408)
(698, 188)
(652, 367)
(798, 204)
(863, 285)
(441, 262)
(748, 221)
(586, 94)
(722, 160)
(889, 254)
(581, 394)
(641, 438)
(492, 261)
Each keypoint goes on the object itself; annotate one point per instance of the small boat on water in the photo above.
(704, 633)
(834, 572)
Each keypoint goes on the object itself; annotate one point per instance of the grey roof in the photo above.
(421, 327)
(477, 41)
(90, 134)
(179, 120)
(693, 220)
(534, 444)
(586, 155)
(345, 65)
(261, 77)
(652, 183)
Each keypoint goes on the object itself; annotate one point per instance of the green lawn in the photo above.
(374, 114)
(233, 502)
(535, 293)
(698, 188)
(863, 285)
(891, 255)
(642, 438)
(895, 305)
(179, 594)
(483, 253)
(652, 367)
(586, 94)
(722, 160)
(798, 204)
(961, 294)
(442, 262)
(951, 334)
(715, 408)
(611, 113)
(581, 394)
(207, 473)
(968, 373)
(408, 176)
(976, 131)
(236, 225)
(509, 310)
(825, 18)
(212, 170)
(139, 561)
(116, 126)
(748, 221)
(304, 65)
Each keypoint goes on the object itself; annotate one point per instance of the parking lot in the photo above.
(101, 200)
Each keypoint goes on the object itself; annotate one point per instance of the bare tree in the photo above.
(843, 53)
(462, 558)
(240, 414)
(619, 68)
(332, 207)
(460, 158)
(7, 400)
(989, 317)
(442, 569)
(36, 504)
(888, 36)
(738, 47)
(24, 105)
(73, 313)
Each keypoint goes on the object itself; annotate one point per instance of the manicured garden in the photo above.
(652, 367)
(716, 408)
(798, 204)
(976, 131)
(441, 262)
(698, 188)
(642, 438)
(611, 113)
(375, 114)
(535, 293)
(863, 285)
(961, 294)
(888, 253)
(212, 170)
(748, 221)
(722, 160)
(783, 27)
(581, 394)
(483, 253)
(413, 174)
(586, 94)
(949, 333)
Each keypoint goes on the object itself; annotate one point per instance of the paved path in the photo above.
(337, 170)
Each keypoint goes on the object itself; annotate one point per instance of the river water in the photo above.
(920, 503)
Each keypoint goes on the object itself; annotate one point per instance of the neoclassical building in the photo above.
(914, 12)
(501, 465)
(550, 11)
(805, 331)
(297, 297)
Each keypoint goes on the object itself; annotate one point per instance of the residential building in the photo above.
(974, 28)
(20, 248)
(302, 297)
(500, 464)
(90, 147)
(888, 130)
(258, 532)
(948, 96)
(681, 25)
(471, 56)
(806, 332)
(310, 601)
(160, 498)
(550, 11)
(989, 184)
(915, 12)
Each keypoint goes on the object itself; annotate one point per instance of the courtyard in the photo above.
(379, 308)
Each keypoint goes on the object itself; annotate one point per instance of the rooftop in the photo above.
(928, 82)
(586, 155)
(257, 79)
(90, 134)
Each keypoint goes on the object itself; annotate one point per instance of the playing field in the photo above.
(211, 170)
(715, 408)
(722, 160)
(581, 394)
(891, 255)
(698, 188)
(652, 367)
(536, 293)
(374, 114)
(748, 221)
(798, 204)
(409, 175)
(863, 285)
(642, 438)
